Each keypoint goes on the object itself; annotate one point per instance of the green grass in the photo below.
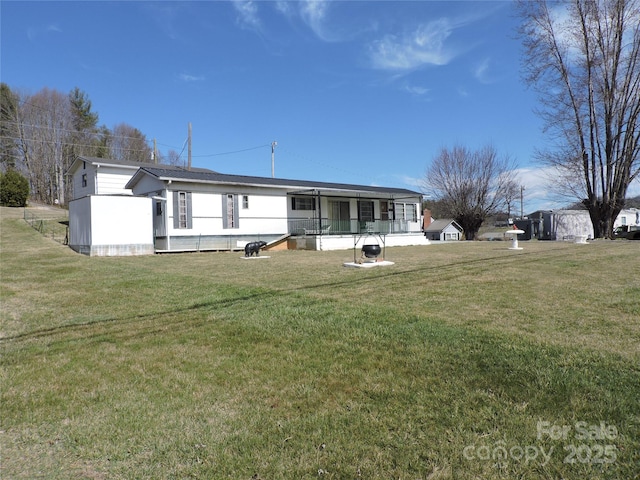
(208, 366)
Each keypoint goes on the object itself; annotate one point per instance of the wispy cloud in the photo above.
(481, 71)
(314, 13)
(426, 45)
(538, 193)
(248, 14)
(185, 77)
(34, 32)
(416, 90)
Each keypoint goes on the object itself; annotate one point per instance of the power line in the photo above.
(111, 134)
(231, 153)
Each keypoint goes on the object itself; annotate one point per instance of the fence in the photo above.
(55, 228)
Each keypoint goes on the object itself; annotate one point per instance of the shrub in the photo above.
(14, 189)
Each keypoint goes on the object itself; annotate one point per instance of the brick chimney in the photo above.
(426, 218)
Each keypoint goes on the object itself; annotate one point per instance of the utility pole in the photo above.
(155, 152)
(274, 144)
(189, 149)
(521, 201)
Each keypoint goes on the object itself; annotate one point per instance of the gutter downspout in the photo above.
(166, 216)
(320, 220)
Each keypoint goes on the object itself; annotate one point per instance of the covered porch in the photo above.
(322, 213)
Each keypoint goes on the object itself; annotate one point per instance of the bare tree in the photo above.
(173, 158)
(471, 184)
(44, 122)
(583, 57)
(511, 194)
(128, 143)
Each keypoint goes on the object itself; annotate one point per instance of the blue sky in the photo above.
(362, 92)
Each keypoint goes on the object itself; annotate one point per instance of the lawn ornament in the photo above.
(253, 248)
(513, 233)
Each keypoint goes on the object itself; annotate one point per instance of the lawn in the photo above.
(462, 361)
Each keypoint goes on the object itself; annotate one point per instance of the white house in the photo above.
(198, 209)
(627, 216)
(443, 230)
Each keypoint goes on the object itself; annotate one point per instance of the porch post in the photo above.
(319, 214)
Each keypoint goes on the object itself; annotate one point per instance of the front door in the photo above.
(384, 210)
(339, 216)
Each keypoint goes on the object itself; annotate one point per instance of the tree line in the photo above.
(42, 134)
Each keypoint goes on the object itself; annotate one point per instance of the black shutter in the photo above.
(189, 211)
(224, 211)
(236, 212)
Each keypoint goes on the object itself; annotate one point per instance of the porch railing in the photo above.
(346, 227)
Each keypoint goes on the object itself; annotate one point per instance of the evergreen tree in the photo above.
(14, 189)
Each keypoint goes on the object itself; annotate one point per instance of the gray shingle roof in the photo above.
(126, 163)
(214, 177)
(439, 225)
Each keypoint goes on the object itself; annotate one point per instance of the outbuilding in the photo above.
(444, 230)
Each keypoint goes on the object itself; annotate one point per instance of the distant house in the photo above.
(198, 209)
(627, 216)
(443, 230)
(562, 224)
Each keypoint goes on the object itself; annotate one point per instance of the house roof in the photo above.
(123, 163)
(301, 186)
(440, 225)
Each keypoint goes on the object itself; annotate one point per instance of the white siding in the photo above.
(266, 214)
(110, 225)
(89, 172)
(629, 216)
(80, 223)
(111, 180)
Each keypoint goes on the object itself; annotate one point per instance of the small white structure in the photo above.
(111, 225)
(563, 224)
(443, 230)
(513, 233)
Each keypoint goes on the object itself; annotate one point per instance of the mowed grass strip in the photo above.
(209, 366)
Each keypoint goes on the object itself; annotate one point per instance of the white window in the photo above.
(230, 217)
(245, 201)
(182, 209)
(406, 211)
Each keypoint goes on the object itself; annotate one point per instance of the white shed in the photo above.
(111, 225)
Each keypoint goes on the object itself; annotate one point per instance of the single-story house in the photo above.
(198, 209)
(443, 230)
